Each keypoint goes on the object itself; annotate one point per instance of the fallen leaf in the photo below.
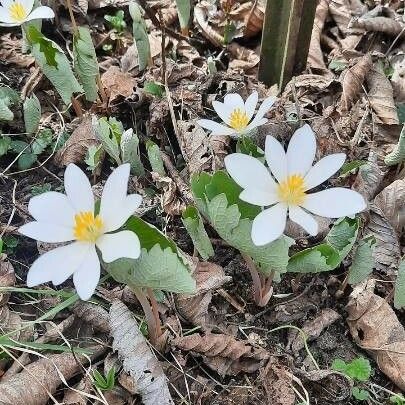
(11, 52)
(77, 397)
(254, 20)
(137, 358)
(312, 329)
(117, 84)
(376, 329)
(380, 24)
(209, 277)
(7, 279)
(75, 148)
(397, 78)
(223, 353)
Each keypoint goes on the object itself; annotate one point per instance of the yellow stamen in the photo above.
(292, 190)
(238, 119)
(17, 11)
(87, 228)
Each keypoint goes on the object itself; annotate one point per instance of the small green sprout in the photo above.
(397, 399)
(104, 383)
(116, 21)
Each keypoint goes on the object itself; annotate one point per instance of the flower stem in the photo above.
(257, 284)
(155, 312)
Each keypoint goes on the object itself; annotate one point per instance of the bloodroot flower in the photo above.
(288, 193)
(238, 115)
(71, 217)
(17, 12)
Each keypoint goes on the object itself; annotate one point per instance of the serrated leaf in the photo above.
(363, 261)
(32, 114)
(130, 152)
(328, 255)
(54, 64)
(358, 369)
(5, 142)
(217, 198)
(42, 141)
(360, 394)
(85, 62)
(183, 12)
(153, 88)
(155, 158)
(26, 160)
(399, 296)
(5, 113)
(102, 130)
(140, 35)
(195, 227)
(8, 98)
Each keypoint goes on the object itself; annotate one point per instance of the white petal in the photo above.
(249, 172)
(28, 5)
(57, 265)
(324, 169)
(223, 111)
(256, 123)
(87, 276)
(302, 218)
(301, 151)
(251, 103)
(276, 158)
(5, 16)
(269, 225)
(233, 101)
(335, 202)
(117, 245)
(41, 12)
(6, 3)
(215, 127)
(78, 189)
(115, 219)
(258, 197)
(46, 232)
(52, 207)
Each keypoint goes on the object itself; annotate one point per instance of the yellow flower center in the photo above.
(238, 119)
(17, 11)
(292, 190)
(87, 228)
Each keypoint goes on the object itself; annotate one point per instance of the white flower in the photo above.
(17, 12)
(238, 115)
(287, 194)
(62, 218)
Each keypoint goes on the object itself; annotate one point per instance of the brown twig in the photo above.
(72, 17)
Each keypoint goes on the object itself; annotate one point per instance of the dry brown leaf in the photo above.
(223, 353)
(315, 55)
(244, 58)
(312, 328)
(254, 20)
(380, 24)
(381, 96)
(201, 21)
(398, 77)
(76, 147)
(352, 81)
(7, 279)
(117, 84)
(376, 329)
(277, 383)
(10, 52)
(137, 358)
(76, 398)
(209, 277)
(33, 385)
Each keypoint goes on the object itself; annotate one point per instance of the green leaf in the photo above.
(328, 255)
(32, 114)
(363, 261)
(109, 141)
(217, 198)
(5, 142)
(54, 64)
(40, 189)
(140, 35)
(229, 32)
(337, 65)
(130, 152)
(19, 146)
(26, 160)
(155, 158)
(5, 113)
(351, 167)
(397, 399)
(85, 62)
(42, 141)
(360, 394)
(195, 227)
(401, 112)
(248, 147)
(8, 98)
(104, 383)
(116, 21)
(397, 156)
(183, 12)
(399, 295)
(154, 88)
(359, 369)
(93, 157)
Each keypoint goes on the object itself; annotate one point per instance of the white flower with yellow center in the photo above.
(287, 194)
(17, 12)
(238, 115)
(62, 218)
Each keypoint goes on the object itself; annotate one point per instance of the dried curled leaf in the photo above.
(381, 96)
(353, 79)
(34, 384)
(200, 17)
(380, 24)
(223, 353)
(376, 328)
(117, 84)
(209, 277)
(137, 358)
(254, 20)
